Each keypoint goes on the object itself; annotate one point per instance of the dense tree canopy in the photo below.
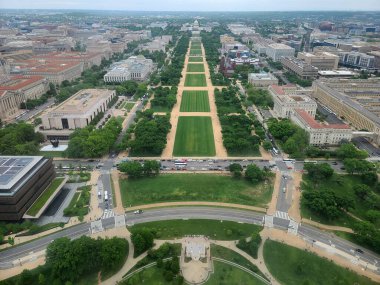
(164, 97)
(90, 142)
(19, 139)
(292, 138)
(70, 260)
(349, 150)
(149, 134)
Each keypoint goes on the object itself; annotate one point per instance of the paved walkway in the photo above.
(213, 204)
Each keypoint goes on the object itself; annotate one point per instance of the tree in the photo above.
(142, 240)
(151, 167)
(358, 166)
(120, 90)
(235, 169)
(267, 145)
(349, 150)
(134, 169)
(320, 171)
(362, 191)
(254, 174)
(41, 279)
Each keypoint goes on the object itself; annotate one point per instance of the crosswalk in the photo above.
(282, 215)
(108, 214)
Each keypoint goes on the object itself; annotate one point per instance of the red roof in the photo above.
(20, 81)
(280, 89)
(315, 125)
(46, 66)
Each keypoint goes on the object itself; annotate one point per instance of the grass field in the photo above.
(195, 67)
(128, 105)
(302, 267)
(195, 101)
(194, 137)
(40, 202)
(225, 230)
(195, 52)
(50, 154)
(195, 59)
(194, 187)
(161, 109)
(223, 274)
(230, 255)
(341, 185)
(195, 80)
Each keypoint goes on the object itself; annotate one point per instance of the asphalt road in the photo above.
(309, 233)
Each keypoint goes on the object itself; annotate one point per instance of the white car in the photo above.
(138, 212)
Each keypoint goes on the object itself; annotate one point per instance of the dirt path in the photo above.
(295, 207)
(276, 189)
(327, 227)
(119, 209)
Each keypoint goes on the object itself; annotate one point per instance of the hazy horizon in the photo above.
(199, 5)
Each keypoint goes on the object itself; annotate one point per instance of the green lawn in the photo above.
(195, 52)
(193, 67)
(128, 105)
(194, 137)
(40, 202)
(292, 266)
(194, 187)
(195, 80)
(224, 274)
(195, 101)
(195, 59)
(225, 230)
(230, 255)
(161, 109)
(342, 185)
(51, 153)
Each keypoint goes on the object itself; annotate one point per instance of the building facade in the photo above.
(287, 98)
(354, 100)
(22, 181)
(319, 134)
(17, 89)
(134, 68)
(78, 111)
(299, 67)
(321, 60)
(357, 59)
(276, 51)
(262, 79)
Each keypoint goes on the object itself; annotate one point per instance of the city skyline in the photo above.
(198, 5)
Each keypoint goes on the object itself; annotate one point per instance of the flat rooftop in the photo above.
(81, 102)
(13, 169)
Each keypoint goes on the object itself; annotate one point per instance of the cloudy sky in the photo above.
(196, 5)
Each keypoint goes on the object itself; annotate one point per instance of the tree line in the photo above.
(171, 73)
(237, 128)
(211, 43)
(150, 134)
(164, 97)
(67, 261)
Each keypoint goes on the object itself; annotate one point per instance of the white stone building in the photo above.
(134, 68)
(276, 51)
(262, 79)
(320, 134)
(287, 98)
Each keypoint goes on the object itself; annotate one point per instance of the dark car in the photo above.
(359, 250)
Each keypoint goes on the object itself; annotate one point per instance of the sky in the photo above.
(196, 5)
